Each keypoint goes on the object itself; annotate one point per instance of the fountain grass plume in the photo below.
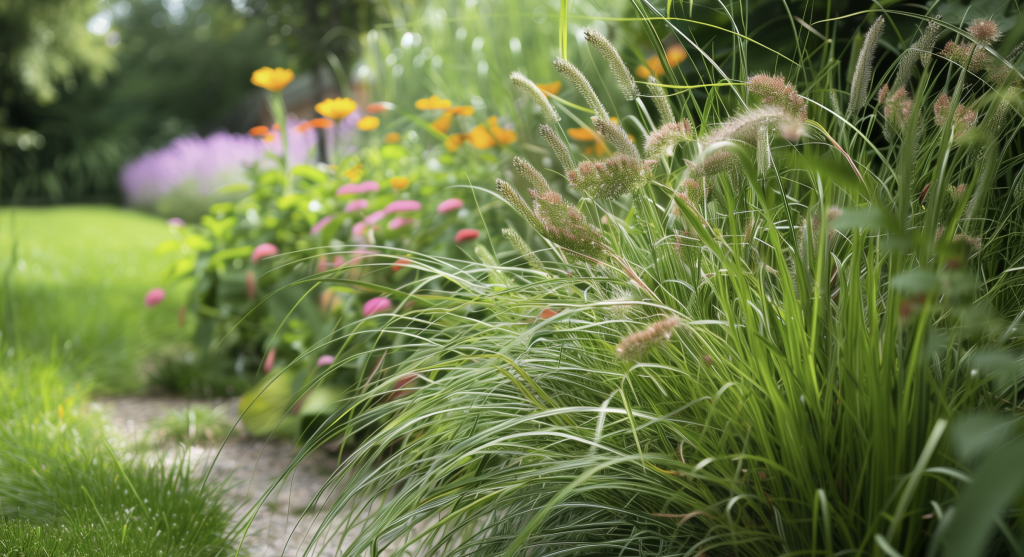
(862, 71)
(537, 96)
(619, 70)
(661, 104)
(575, 76)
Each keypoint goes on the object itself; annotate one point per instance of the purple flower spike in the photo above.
(449, 205)
(175, 222)
(325, 360)
(375, 217)
(262, 251)
(398, 222)
(376, 305)
(356, 205)
(402, 206)
(157, 295)
(320, 225)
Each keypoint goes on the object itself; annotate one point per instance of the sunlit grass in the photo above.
(74, 279)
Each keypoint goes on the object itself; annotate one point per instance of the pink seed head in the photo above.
(155, 296)
(356, 205)
(320, 225)
(175, 222)
(466, 234)
(263, 251)
(325, 360)
(376, 305)
(268, 363)
(402, 206)
(449, 205)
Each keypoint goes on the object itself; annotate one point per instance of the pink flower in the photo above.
(466, 234)
(374, 217)
(376, 305)
(402, 206)
(356, 205)
(320, 225)
(359, 228)
(321, 264)
(325, 360)
(263, 250)
(338, 261)
(250, 284)
(176, 222)
(268, 363)
(362, 187)
(448, 205)
(155, 296)
(398, 222)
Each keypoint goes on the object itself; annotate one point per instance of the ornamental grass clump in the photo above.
(769, 348)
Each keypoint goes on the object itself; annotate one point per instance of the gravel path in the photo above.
(250, 466)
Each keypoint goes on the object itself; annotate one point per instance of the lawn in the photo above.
(74, 281)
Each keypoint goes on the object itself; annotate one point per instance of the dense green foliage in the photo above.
(761, 350)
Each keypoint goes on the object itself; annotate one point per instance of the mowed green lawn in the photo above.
(74, 279)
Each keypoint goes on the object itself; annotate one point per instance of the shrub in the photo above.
(310, 248)
(759, 355)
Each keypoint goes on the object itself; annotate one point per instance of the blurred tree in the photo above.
(183, 66)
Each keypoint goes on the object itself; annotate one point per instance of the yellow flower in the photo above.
(272, 79)
(354, 174)
(552, 88)
(368, 123)
(336, 108)
(392, 137)
(486, 137)
(432, 102)
(400, 182)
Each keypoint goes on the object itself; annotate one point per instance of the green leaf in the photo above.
(230, 253)
(393, 152)
(918, 281)
(198, 243)
(168, 247)
(240, 187)
(310, 173)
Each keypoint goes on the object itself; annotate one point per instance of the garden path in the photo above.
(251, 466)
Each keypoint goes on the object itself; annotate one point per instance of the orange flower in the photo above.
(480, 139)
(582, 134)
(432, 102)
(322, 123)
(303, 127)
(400, 182)
(378, 107)
(550, 89)
(272, 79)
(336, 108)
(392, 137)
(444, 123)
(464, 110)
(259, 131)
(675, 55)
(368, 123)
(502, 135)
(269, 138)
(454, 140)
(598, 149)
